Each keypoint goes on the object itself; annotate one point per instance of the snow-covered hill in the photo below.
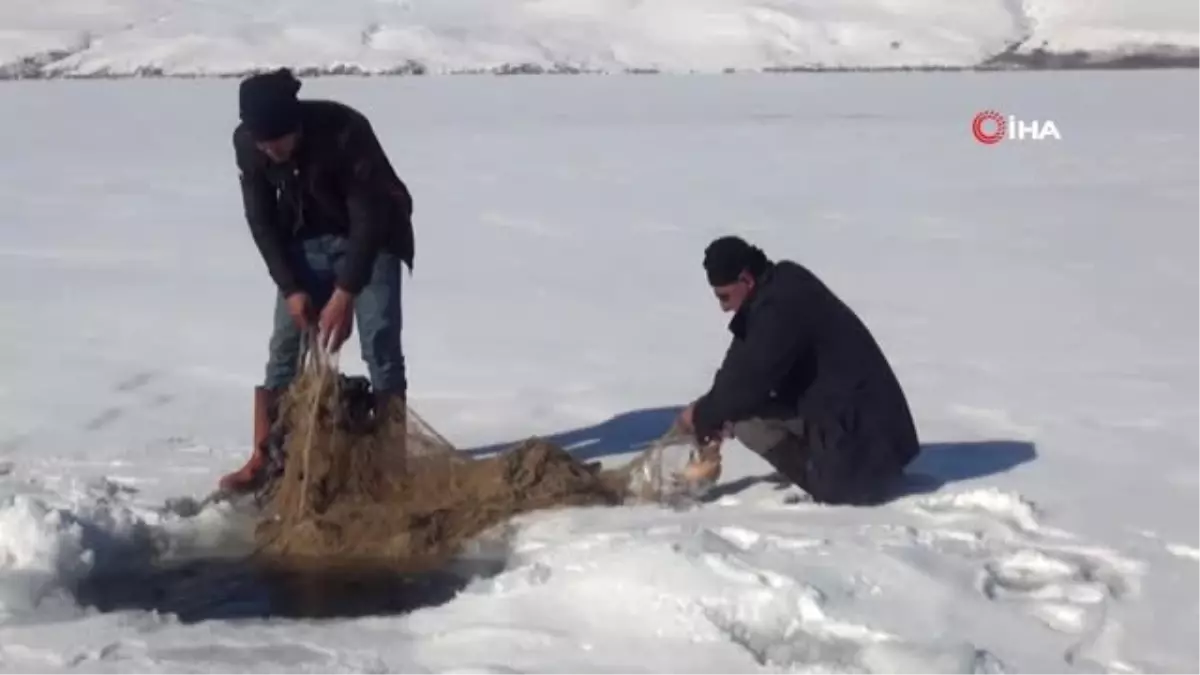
(48, 38)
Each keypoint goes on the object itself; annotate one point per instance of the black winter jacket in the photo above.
(799, 348)
(338, 182)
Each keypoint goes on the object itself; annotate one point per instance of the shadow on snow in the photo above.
(938, 464)
(625, 433)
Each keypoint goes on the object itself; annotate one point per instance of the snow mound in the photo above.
(212, 37)
(47, 550)
(796, 587)
(41, 550)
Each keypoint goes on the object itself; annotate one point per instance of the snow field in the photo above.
(1037, 300)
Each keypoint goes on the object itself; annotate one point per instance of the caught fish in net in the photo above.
(358, 486)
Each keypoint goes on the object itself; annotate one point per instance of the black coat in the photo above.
(797, 348)
(338, 182)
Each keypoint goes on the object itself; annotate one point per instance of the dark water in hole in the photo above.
(225, 588)
(219, 580)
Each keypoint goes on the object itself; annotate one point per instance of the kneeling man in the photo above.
(803, 383)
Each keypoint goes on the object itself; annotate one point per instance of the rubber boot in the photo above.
(252, 473)
(391, 419)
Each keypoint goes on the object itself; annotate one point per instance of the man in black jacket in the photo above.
(332, 222)
(804, 384)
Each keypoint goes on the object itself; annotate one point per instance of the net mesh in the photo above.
(358, 486)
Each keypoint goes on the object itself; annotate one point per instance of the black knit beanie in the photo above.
(727, 257)
(268, 106)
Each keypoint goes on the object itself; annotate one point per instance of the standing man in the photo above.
(803, 384)
(333, 223)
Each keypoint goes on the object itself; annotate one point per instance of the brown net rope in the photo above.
(380, 489)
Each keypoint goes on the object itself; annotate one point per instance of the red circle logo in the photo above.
(980, 123)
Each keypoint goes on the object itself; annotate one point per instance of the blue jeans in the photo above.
(377, 315)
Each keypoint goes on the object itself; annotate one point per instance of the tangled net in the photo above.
(365, 490)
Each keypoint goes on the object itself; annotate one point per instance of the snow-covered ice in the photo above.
(210, 37)
(1038, 300)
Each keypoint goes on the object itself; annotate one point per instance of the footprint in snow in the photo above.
(136, 381)
(132, 385)
(105, 418)
(1057, 591)
(1040, 570)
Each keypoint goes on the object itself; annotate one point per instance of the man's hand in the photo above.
(337, 320)
(685, 419)
(299, 306)
(686, 423)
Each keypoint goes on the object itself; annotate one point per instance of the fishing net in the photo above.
(359, 486)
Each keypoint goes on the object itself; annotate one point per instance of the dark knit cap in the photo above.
(727, 257)
(268, 106)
